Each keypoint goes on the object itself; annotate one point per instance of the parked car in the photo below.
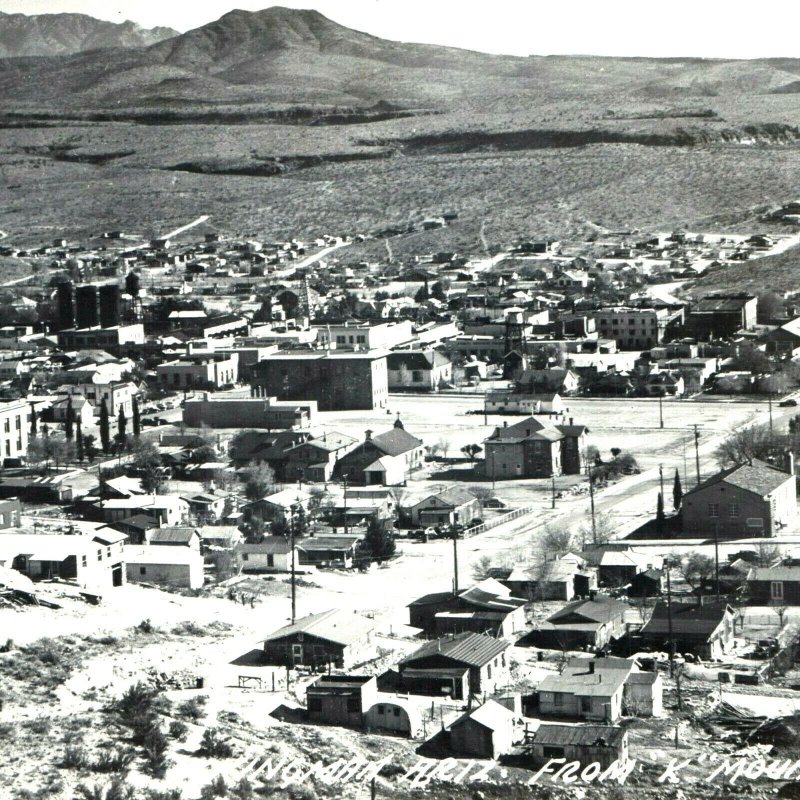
(790, 402)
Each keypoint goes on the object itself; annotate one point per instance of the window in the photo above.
(270, 560)
(776, 590)
(558, 699)
(713, 510)
(99, 555)
(416, 375)
(7, 425)
(353, 705)
(397, 712)
(380, 710)
(19, 423)
(489, 671)
(315, 704)
(143, 570)
(586, 704)
(550, 751)
(84, 562)
(245, 556)
(733, 509)
(108, 552)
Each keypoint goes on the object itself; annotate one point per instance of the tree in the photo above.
(660, 512)
(555, 542)
(482, 568)
(677, 491)
(146, 462)
(770, 308)
(696, 569)
(483, 493)
(137, 421)
(422, 293)
(79, 444)
(378, 542)
(204, 454)
(603, 530)
(745, 444)
(438, 292)
(471, 450)
(444, 446)
(122, 424)
(105, 434)
(90, 446)
(132, 284)
(155, 747)
(69, 424)
(33, 421)
(259, 480)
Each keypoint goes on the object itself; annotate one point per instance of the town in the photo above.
(492, 512)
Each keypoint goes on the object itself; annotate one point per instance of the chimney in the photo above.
(505, 423)
(593, 594)
(368, 435)
(790, 462)
(591, 667)
(570, 421)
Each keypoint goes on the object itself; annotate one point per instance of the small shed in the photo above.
(586, 744)
(341, 699)
(486, 732)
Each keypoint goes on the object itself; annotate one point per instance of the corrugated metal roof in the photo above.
(335, 625)
(586, 735)
(475, 649)
(490, 715)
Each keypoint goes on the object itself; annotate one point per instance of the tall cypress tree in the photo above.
(660, 513)
(105, 435)
(137, 422)
(69, 424)
(79, 441)
(677, 491)
(34, 432)
(122, 424)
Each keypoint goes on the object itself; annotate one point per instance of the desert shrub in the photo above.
(8, 732)
(217, 788)
(162, 794)
(145, 626)
(178, 730)
(75, 757)
(213, 745)
(243, 790)
(118, 789)
(189, 628)
(155, 747)
(112, 761)
(40, 726)
(7, 647)
(193, 708)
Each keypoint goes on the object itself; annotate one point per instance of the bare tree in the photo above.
(696, 569)
(745, 444)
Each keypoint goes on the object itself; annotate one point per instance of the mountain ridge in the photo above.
(36, 35)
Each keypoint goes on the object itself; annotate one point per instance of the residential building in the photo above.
(338, 381)
(365, 334)
(530, 449)
(271, 554)
(749, 499)
(700, 626)
(177, 567)
(586, 744)
(337, 638)
(562, 578)
(266, 447)
(418, 370)
(341, 699)
(488, 731)
(313, 461)
(114, 339)
(557, 380)
(13, 429)
(328, 551)
(632, 328)
(507, 401)
(174, 536)
(199, 372)
(385, 459)
(593, 622)
(482, 660)
(10, 512)
(453, 506)
(249, 412)
(718, 316)
(94, 561)
(774, 586)
(618, 567)
(162, 509)
(486, 607)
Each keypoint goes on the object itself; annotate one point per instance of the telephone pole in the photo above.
(454, 531)
(667, 565)
(660, 411)
(697, 452)
(291, 543)
(769, 396)
(716, 555)
(553, 503)
(591, 501)
(344, 486)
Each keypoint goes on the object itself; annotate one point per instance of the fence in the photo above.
(485, 526)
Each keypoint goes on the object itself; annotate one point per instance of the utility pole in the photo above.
(493, 471)
(769, 396)
(344, 485)
(454, 531)
(660, 411)
(661, 478)
(668, 565)
(716, 555)
(697, 452)
(591, 501)
(294, 588)
(553, 504)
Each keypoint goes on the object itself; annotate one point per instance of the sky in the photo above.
(705, 28)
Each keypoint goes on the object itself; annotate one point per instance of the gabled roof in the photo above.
(600, 610)
(491, 595)
(454, 497)
(687, 618)
(174, 535)
(779, 573)
(600, 677)
(474, 649)
(491, 715)
(395, 442)
(335, 625)
(756, 477)
(268, 545)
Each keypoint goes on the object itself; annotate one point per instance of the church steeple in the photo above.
(398, 423)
